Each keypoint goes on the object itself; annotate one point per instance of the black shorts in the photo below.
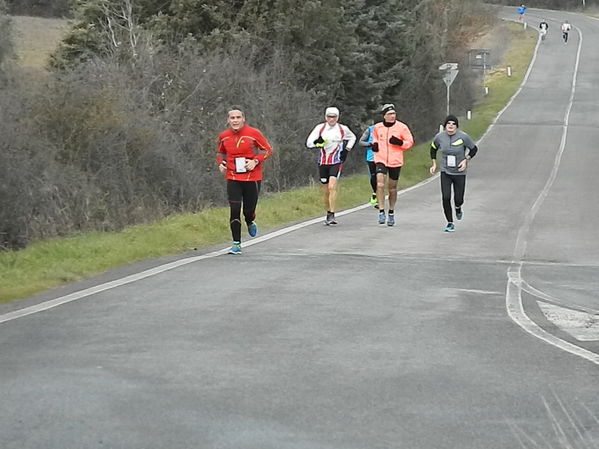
(243, 191)
(326, 171)
(392, 171)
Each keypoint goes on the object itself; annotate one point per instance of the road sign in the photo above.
(451, 71)
(478, 58)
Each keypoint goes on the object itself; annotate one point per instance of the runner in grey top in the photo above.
(453, 149)
(457, 148)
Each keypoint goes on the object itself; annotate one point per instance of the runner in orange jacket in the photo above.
(390, 139)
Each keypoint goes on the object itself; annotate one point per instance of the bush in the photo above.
(106, 144)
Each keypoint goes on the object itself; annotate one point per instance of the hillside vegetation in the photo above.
(36, 39)
(122, 130)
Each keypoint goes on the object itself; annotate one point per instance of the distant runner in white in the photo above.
(566, 27)
(543, 28)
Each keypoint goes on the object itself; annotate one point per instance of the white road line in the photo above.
(513, 296)
(553, 300)
(46, 305)
(478, 292)
(516, 312)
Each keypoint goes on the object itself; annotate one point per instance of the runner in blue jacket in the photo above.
(366, 142)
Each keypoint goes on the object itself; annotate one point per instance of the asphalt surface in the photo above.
(359, 335)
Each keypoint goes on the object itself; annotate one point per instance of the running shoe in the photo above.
(449, 228)
(374, 202)
(330, 219)
(390, 220)
(236, 248)
(252, 229)
(459, 214)
(382, 217)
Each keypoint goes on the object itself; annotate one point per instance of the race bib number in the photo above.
(451, 161)
(240, 165)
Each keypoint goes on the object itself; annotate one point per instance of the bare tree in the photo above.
(120, 26)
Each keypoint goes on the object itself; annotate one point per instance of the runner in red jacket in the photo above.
(240, 155)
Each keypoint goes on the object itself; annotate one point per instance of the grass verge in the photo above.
(48, 264)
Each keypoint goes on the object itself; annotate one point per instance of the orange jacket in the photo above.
(389, 154)
(249, 143)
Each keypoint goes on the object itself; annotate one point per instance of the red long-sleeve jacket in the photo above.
(249, 143)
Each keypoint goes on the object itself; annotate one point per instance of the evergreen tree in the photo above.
(356, 53)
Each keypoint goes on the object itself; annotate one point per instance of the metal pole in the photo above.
(447, 100)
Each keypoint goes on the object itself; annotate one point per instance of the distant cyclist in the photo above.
(566, 27)
(543, 27)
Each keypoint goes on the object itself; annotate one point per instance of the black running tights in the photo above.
(459, 185)
(242, 193)
(372, 171)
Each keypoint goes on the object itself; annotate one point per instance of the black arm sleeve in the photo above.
(433, 153)
(472, 151)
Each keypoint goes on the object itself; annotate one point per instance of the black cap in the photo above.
(451, 118)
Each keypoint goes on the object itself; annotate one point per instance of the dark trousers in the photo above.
(372, 171)
(242, 194)
(459, 186)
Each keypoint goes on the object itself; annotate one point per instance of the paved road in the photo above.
(358, 336)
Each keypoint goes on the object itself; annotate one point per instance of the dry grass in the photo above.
(36, 38)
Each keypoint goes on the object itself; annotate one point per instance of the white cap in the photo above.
(332, 111)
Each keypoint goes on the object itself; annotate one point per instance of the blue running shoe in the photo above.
(449, 228)
(252, 229)
(382, 217)
(390, 220)
(459, 214)
(236, 248)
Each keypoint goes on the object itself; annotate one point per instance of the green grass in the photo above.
(501, 87)
(48, 264)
